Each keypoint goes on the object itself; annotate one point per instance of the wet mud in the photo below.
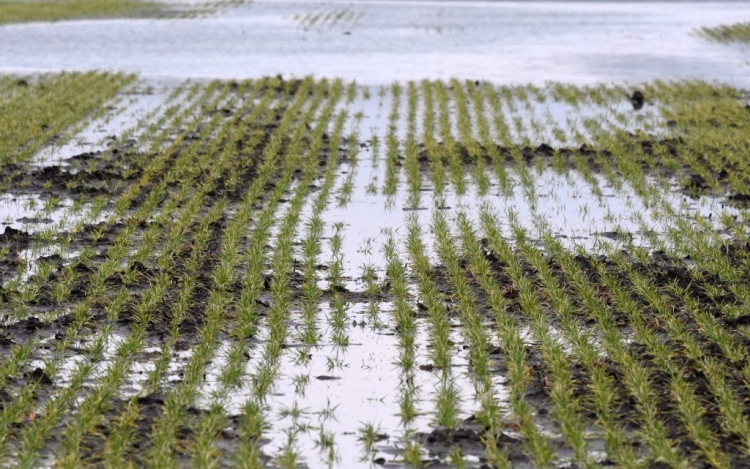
(50, 321)
(48, 318)
(469, 435)
(664, 272)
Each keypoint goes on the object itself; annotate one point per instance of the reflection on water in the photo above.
(377, 42)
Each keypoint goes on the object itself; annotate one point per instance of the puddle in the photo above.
(357, 383)
(576, 212)
(508, 42)
(40, 217)
(33, 213)
(143, 365)
(342, 389)
(33, 257)
(546, 120)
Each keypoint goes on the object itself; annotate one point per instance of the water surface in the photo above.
(377, 42)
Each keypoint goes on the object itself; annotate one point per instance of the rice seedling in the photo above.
(411, 157)
(688, 404)
(583, 350)
(188, 284)
(263, 378)
(514, 351)
(17, 11)
(431, 145)
(451, 151)
(468, 140)
(406, 330)
(36, 110)
(738, 32)
(338, 319)
(448, 396)
(392, 155)
(485, 137)
(329, 19)
(81, 313)
(185, 308)
(656, 431)
(204, 451)
(370, 435)
(150, 300)
(438, 313)
(345, 193)
(13, 11)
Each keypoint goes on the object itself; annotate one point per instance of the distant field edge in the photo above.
(26, 11)
(737, 32)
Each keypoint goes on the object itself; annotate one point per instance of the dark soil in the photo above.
(647, 152)
(663, 271)
(81, 178)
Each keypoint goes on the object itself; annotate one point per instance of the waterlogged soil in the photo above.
(149, 409)
(49, 324)
(361, 377)
(664, 272)
(47, 319)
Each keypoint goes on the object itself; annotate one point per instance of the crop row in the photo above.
(156, 328)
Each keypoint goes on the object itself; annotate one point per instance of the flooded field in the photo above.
(315, 273)
(378, 41)
(292, 239)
